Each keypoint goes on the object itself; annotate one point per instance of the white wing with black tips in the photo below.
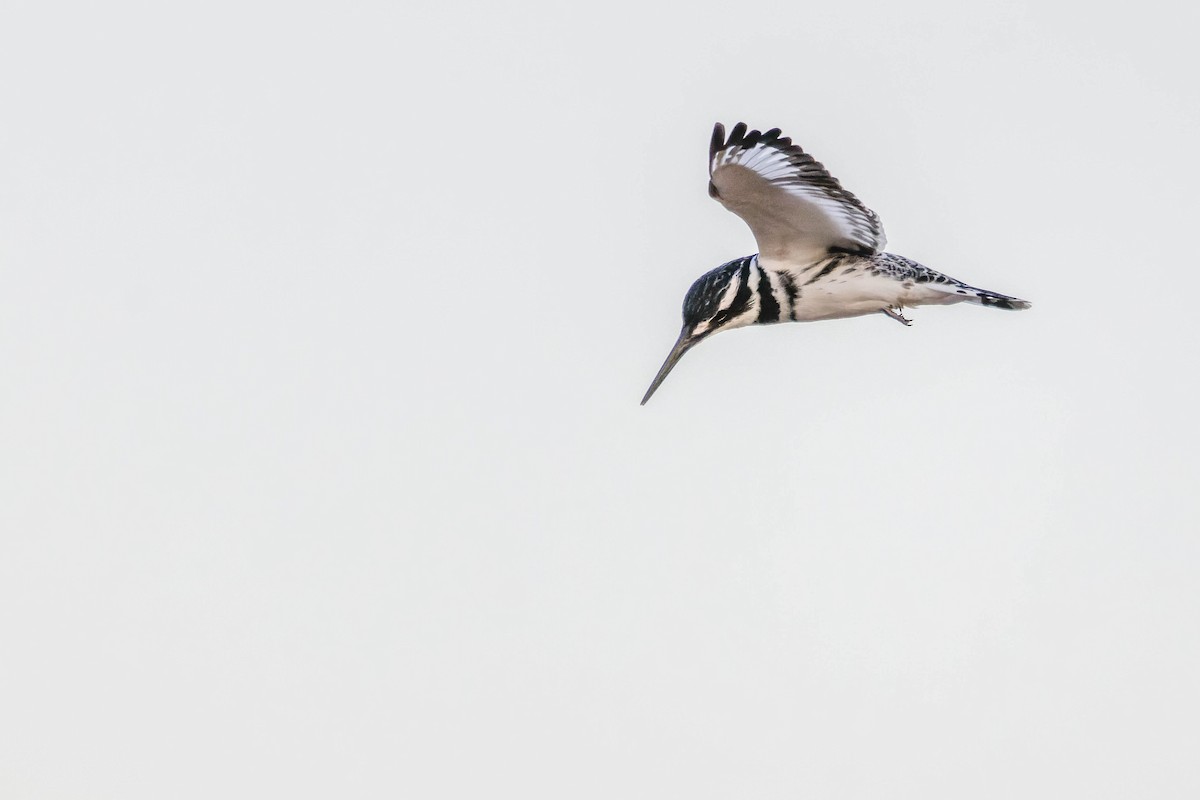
(798, 212)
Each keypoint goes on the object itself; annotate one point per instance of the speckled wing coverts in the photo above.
(799, 213)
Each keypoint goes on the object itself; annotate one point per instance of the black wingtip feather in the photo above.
(736, 135)
(718, 140)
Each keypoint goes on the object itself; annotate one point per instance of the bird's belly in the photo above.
(846, 297)
(854, 296)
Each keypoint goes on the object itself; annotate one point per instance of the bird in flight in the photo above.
(820, 250)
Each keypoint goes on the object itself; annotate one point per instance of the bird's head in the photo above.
(718, 300)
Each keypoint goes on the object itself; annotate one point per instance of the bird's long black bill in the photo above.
(682, 345)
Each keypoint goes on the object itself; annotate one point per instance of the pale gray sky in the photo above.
(322, 471)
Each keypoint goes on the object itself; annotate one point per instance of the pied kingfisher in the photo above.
(820, 249)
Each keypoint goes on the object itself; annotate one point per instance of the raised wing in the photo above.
(796, 209)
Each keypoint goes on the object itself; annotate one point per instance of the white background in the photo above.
(322, 472)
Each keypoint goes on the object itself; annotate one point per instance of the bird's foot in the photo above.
(894, 313)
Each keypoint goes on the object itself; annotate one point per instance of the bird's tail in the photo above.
(986, 298)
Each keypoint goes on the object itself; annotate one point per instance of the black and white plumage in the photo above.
(820, 249)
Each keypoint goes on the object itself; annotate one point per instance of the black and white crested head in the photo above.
(703, 297)
(719, 300)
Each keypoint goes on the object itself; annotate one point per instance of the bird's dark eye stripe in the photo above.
(741, 300)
